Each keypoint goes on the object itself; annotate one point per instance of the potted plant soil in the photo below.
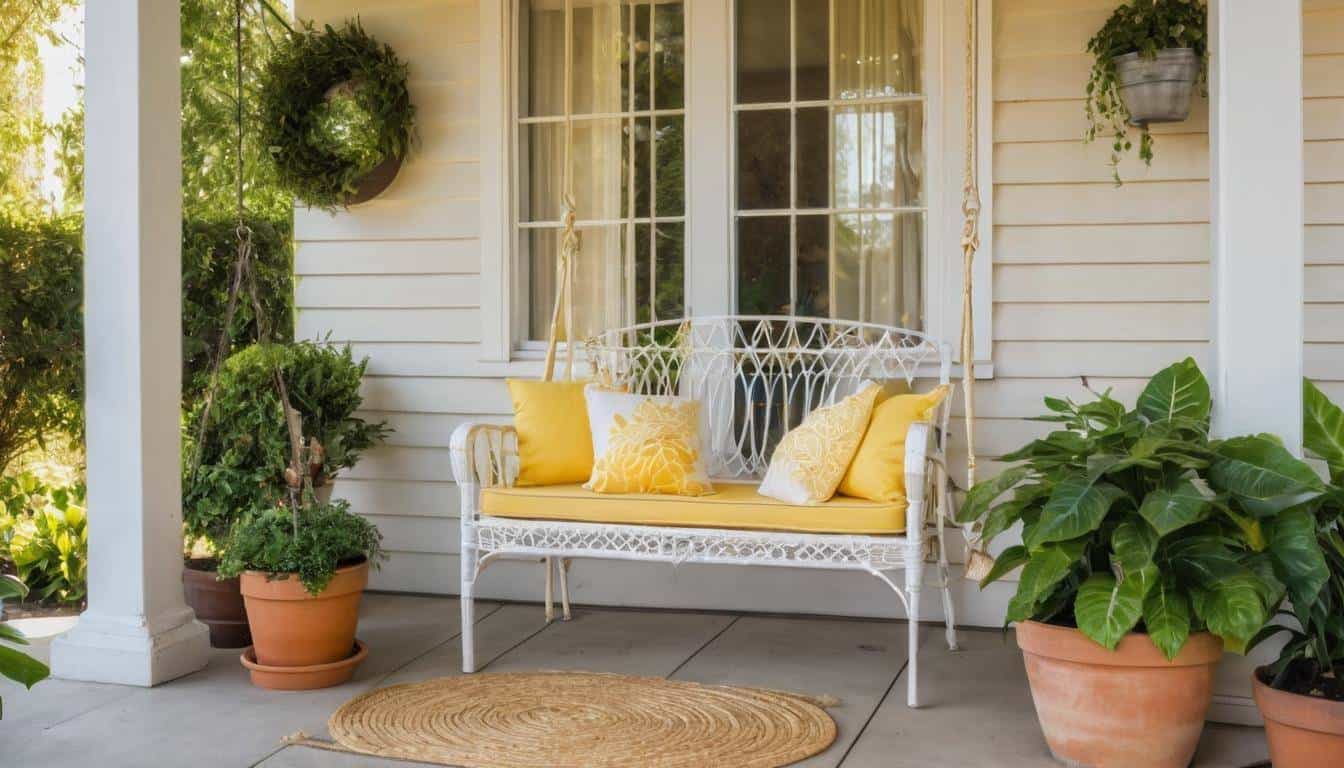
(302, 574)
(1135, 571)
(1301, 696)
(1151, 56)
(237, 462)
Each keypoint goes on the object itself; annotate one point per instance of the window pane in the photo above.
(643, 248)
(762, 265)
(669, 56)
(814, 32)
(878, 263)
(543, 36)
(597, 50)
(814, 167)
(599, 280)
(763, 159)
(878, 46)
(670, 267)
(762, 51)
(669, 147)
(879, 155)
(643, 147)
(814, 267)
(640, 34)
(596, 163)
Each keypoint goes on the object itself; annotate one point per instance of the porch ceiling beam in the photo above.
(1255, 130)
(137, 630)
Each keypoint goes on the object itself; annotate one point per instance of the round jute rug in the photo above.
(582, 719)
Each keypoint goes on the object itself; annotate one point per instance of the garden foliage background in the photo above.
(41, 261)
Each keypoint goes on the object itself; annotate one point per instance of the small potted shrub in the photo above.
(1302, 694)
(1135, 572)
(238, 463)
(302, 570)
(1151, 55)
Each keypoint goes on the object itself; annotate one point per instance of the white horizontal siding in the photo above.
(1323, 153)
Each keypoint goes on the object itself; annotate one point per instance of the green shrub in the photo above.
(311, 544)
(44, 537)
(209, 249)
(246, 446)
(41, 331)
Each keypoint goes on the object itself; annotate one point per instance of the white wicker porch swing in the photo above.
(788, 366)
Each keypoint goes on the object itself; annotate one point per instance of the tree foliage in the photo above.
(24, 25)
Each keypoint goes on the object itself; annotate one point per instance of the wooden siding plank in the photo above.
(1323, 31)
(1104, 243)
(385, 219)
(441, 359)
(388, 291)
(1324, 160)
(1135, 203)
(1005, 398)
(1323, 119)
(388, 257)
(1323, 76)
(1325, 283)
(427, 535)
(1325, 322)
(1139, 359)
(1325, 244)
(390, 324)
(1325, 204)
(1183, 157)
(1101, 282)
(423, 178)
(400, 497)
(1324, 361)
(1062, 31)
(436, 395)
(1063, 120)
(1089, 322)
(389, 462)
(1039, 78)
(428, 430)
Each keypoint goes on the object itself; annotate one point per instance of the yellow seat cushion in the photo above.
(733, 505)
(877, 472)
(555, 446)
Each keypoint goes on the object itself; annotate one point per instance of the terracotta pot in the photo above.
(291, 628)
(1114, 709)
(1303, 731)
(218, 604)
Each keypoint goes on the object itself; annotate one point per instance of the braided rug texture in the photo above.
(582, 719)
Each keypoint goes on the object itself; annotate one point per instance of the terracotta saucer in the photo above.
(304, 678)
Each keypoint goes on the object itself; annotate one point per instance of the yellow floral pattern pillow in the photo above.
(646, 444)
(811, 460)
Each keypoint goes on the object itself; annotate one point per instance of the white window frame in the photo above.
(710, 170)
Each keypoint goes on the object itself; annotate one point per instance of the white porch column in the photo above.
(1255, 128)
(137, 629)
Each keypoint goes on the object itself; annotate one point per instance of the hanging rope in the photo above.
(562, 313)
(978, 561)
(244, 275)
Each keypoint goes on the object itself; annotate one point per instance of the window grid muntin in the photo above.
(629, 118)
(830, 104)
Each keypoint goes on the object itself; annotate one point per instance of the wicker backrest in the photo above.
(757, 377)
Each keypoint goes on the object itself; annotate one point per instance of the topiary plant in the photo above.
(245, 448)
(1144, 27)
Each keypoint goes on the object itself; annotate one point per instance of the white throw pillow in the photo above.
(646, 444)
(811, 460)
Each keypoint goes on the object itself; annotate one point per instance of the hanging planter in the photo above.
(1151, 56)
(336, 115)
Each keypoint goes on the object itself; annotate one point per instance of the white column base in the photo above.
(129, 651)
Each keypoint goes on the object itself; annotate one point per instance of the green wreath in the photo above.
(335, 109)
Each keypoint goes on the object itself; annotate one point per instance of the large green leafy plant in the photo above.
(243, 454)
(1133, 519)
(1144, 27)
(1312, 660)
(310, 543)
(15, 664)
(44, 536)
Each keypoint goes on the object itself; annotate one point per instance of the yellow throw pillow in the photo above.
(810, 461)
(646, 444)
(878, 470)
(554, 445)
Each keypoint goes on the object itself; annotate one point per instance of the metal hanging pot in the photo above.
(1157, 90)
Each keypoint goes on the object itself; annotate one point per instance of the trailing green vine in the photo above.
(1145, 27)
(334, 105)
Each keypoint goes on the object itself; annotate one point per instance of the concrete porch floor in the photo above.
(977, 712)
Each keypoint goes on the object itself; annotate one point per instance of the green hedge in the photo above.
(41, 322)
